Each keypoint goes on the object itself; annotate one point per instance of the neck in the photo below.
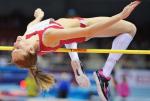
(34, 41)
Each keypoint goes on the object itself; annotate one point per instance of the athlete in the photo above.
(48, 35)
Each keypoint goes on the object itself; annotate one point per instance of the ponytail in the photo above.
(43, 80)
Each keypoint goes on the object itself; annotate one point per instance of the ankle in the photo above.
(100, 72)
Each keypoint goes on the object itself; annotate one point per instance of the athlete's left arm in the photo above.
(69, 33)
(73, 55)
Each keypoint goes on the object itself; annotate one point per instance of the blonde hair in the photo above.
(43, 80)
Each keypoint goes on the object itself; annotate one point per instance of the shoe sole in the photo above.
(99, 90)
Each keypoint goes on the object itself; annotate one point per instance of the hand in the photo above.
(80, 76)
(129, 9)
(38, 13)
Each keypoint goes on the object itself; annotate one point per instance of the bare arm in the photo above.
(38, 14)
(63, 34)
(80, 76)
(73, 55)
(114, 19)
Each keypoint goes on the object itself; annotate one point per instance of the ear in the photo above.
(31, 50)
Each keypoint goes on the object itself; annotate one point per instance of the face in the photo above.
(21, 49)
(18, 54)
(21, 43)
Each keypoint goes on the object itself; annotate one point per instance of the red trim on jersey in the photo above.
(43, 49)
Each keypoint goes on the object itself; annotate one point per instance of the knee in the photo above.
(132, 29)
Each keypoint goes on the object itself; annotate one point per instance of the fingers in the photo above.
(129, 9)
(38, 9)
(135, 3)
(38, 13)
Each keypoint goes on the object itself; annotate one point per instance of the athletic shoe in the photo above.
(102, 85)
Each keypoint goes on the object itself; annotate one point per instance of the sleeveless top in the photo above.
(52, 24)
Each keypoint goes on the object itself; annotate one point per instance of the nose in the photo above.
(19, 38)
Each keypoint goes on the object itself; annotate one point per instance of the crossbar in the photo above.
(64, 50)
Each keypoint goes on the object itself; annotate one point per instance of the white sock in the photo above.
(73, 55)
(121, 42)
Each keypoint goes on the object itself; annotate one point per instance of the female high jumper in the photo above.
(48, 35)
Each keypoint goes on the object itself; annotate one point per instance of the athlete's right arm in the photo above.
(38, 14)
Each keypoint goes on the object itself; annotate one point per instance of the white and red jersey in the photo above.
(42, 26)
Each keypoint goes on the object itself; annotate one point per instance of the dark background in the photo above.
(16, 14)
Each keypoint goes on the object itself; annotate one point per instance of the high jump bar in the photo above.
(64, 50)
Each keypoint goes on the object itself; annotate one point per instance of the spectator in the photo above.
(32, 89)
(63, 86)
(123, 89)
